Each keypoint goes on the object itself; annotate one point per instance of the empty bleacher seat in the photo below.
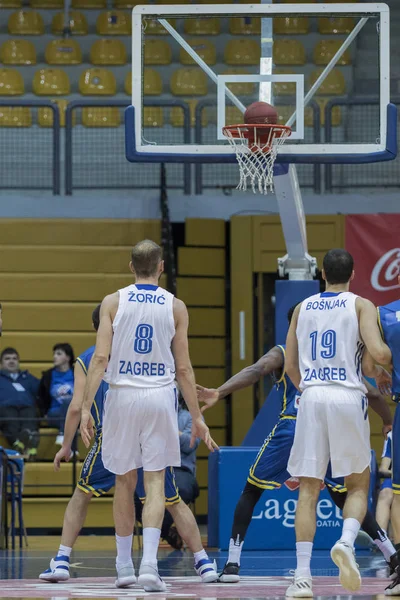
(18, 52)
(10, 3)
(152, 83)
(50, 82)
(289, 52)
(11, 83)
(76, 24)
(291, 25)
(202, 26)
(189, 82)
(245, 25)
(128, 84)
(63, 52)
(114, 22)
(101, 116)
(153, 27)
(333, 85)
(240, 88)
(242, 52)
(203, 47)
(153, 116)
(16, 116)
(97, 82)
(325, 50)
(46, 3)
(176, 117)
(25, 22)
(45, 115)
(336, 113)
(157, 52)
(108, 52)
(335, 25)
(89, 4)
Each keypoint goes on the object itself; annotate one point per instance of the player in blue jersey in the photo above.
(385, 498)
(96, 481)
(389, 321)
(269, 470)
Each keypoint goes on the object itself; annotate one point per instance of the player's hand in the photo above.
(200, 430)
(385, 430)
(383, 381)
(63, 453)
(208, 396)
(87, 427)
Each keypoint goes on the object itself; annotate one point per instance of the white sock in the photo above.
(124, 549)
(385, 545)
(303, 555)
(151, 540)
(64, 551)
(201, 555)
(350, 530)
(235, 550)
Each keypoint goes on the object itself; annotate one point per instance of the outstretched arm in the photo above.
(379, 405)
(292, 350)
(370, 333)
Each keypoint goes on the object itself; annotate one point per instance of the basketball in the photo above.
(261, 112)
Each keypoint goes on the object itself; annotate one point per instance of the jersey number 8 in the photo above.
(143, 339)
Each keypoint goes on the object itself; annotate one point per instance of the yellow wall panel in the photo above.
(202, 473)
(211, 378)
(218, 435)
(64, 259)
(35, 346)
(85, 232)
(207, 352)
(49, 513)
(205, 232)
(207, 321)
(201, 261)
(46, 316)
(201, 291)
(202, 503)
(36, 368)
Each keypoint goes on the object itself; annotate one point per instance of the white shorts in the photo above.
(140, 429)
(332, 424)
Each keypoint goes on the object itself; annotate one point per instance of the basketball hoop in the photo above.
(256, 147)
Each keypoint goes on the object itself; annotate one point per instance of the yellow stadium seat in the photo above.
(77, 23)
(289, 52)
(128, 84)
(50, 82)
(335, 25)
(153, 27)
(189, 82)
(333, 85)
(129, 4)
(157, 52)
(108, 52)
(202, 26)
(46, 3)
(203, 47)
(245, 25)
(176, 116)
(114, 22)
(326, 49)
(18, 52)
(284, 113)
(25, 22)
(10, 3)
(283, 88)
(233, 116)
(153, 116)
(11, 83)
(89, 4)
(101, 116)
(16, 116)
(240, 88)
(63, 52)
(152, 83)
(336, 114)
(242, 52)
(172, 1)
(291, 25)
(97, 82)
(45, 115)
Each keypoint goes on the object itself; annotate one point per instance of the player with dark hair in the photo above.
(269, 470)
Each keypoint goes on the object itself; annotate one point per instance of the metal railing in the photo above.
(30, 145)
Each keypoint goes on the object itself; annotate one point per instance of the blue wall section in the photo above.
(287, 294)
(272, 526)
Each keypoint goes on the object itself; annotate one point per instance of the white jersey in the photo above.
(330, 347)
(144, 328)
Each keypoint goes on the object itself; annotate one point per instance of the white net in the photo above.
(256, 149)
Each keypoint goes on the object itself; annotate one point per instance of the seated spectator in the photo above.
(57, 388)
(385, 498)
(18, 408)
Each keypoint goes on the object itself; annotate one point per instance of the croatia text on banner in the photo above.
(374, 242)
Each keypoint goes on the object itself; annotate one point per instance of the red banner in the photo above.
(374, 242)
